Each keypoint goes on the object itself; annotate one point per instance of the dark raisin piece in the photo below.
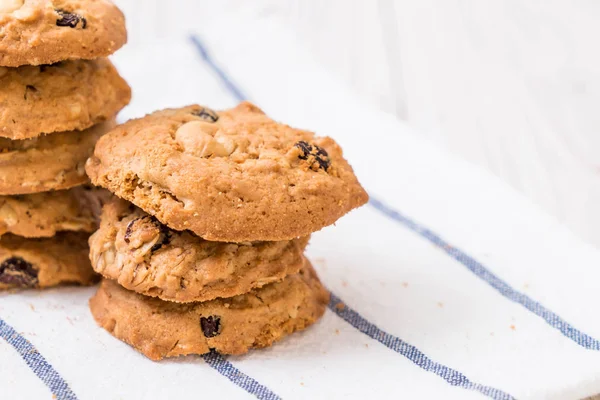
(15, 271)
(318, 154)
(165, 235)
(321, 151)
(70, 19)
(322, 158)
(210, 326)
(206, 114)
(129, 230)
(306, 149)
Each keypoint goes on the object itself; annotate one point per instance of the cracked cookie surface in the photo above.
(41, 263)
(160, 329)
(36, 32)
(230, 176)
(145, 256)
(44, 214)
(50, 162)
(70, 95)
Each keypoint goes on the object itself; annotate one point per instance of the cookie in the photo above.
(42, 263)
(231, 176)
(160, 329)
(50, 162)
(70, 95)
(36, 32)
(45, 214)
(145, 256)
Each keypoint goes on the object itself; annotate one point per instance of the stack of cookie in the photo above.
(57, 97)
(204, 249)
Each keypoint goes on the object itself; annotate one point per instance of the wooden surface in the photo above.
(513, 86)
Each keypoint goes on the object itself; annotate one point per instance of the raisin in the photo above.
(320, 155)
(70, 19)
(15, 271)
(210, 326)
(129, 230)
(321, 151)
(165, 234)
(206, 114)
(306, 149)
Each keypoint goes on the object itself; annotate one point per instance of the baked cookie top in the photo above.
(70, 95)
(230, 176)
(36, 32)
(50, 162)
(160, 329)
(145, 256)
(46, 262)
(45, 214)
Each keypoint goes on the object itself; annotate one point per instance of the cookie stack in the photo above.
(204, 248)
(58, 95)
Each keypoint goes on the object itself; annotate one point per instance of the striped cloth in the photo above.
(454, 285)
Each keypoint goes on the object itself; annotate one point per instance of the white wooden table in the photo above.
(511, 85)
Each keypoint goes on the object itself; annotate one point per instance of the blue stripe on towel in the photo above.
(38, 364)
(486, 275)
(232, 87)
(473, 265)
(250, 385)
(409, 351)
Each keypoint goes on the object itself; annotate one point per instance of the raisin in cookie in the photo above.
(44, 214)
(36, 32)
(71, 95)
(51, 162)
(41, 263)
(231, 176)
(145, 256)
(256, 319)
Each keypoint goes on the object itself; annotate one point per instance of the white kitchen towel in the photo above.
(454, 285)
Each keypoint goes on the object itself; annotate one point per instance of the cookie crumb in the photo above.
(337, 331)
(440, 304)
(405, 284)
(514, 328)
(340, 306)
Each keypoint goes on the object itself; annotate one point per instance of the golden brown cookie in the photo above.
(71, 95)
(145, 256)
(50, 162)
(231, 176)
(44, 214)
(41, 263)
(162, 329)
(35, 32)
